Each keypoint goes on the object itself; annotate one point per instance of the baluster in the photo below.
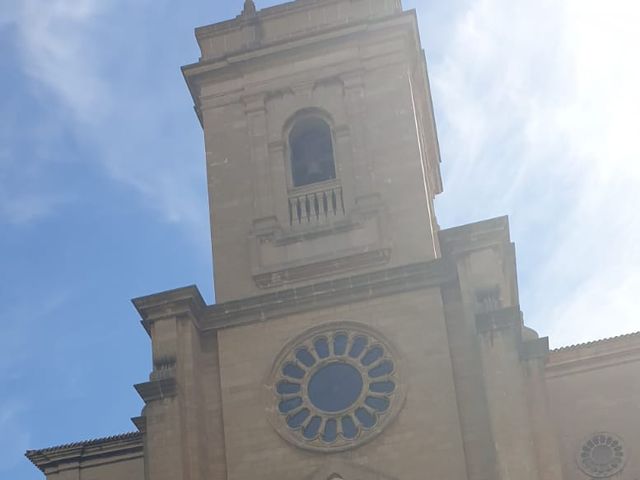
(307, 206)
(316, 206)
(290, 212)
(325, 204)
(299, 209)
(334, 203)
(341, 200)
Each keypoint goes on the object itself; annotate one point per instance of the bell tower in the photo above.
(322, 155)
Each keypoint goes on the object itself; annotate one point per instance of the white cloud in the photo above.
(538, 104)
(57, 51)
(66, 46)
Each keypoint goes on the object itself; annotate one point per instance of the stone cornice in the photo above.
(627, 339)
(188, 301)
(263, 14)
(234, 63)
(475, 236)
(329, 293)
(170, 304)
(125, 446)
(303, 39)
(594, 355)
(157, 389)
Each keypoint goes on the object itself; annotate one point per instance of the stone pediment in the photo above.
(342, 470)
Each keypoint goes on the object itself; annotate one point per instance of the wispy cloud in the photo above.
(58, 52)
(537, 105)
(103, 92)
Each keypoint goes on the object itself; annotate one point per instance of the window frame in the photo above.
(309, 113)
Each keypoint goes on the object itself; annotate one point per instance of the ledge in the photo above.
(475, 236)
(169, 304)
(594, 355)
(157, 390)
(330, 293)
(188, 302)
(628, 338)
(126, 444)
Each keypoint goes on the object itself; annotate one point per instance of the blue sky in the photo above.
(103, 193)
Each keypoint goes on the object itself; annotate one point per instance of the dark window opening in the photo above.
(311, 152)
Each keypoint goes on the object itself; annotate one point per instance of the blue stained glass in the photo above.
(322, 347)
(349, 429)
(293, 371)
(382, 387)
(340, 344)
(384, 368)
(330, 431)
(286, 406)
(285, 387)
(359, 343)
(377, 403)
(297, 419)
(335, 387)
(372, 355)
(365, 418)
(311, 430)
(348, 386)
(305, 357)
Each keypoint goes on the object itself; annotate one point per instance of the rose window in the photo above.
(602, 456)
(335, 387)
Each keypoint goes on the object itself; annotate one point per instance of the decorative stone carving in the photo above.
(334, 387)
(602, 455)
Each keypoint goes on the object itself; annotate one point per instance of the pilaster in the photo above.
(500, 335)
(485, 259)
(535, 354)
(257, 134)
(178, 443)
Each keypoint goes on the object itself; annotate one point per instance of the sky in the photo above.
(103, 191)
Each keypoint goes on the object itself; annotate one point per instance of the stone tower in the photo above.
(352, 338)
(355, 97)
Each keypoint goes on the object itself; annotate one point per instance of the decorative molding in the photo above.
(157, 389)
(254, 103)
(635, 336)
(318, 269)
(475, 236)
(594, 355)
(126, 446)
(168, 305)
(140, 422)
(327, 294)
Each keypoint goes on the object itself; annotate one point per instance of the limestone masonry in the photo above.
(352, 338)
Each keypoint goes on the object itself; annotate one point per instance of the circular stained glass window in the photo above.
(602, 455)
(335, 387)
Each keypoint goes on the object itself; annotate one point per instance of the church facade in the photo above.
(352, 337)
